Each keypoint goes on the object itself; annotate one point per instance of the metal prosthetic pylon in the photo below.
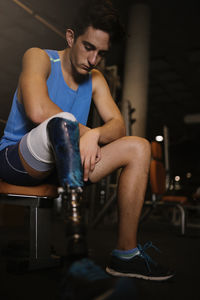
(75, 228)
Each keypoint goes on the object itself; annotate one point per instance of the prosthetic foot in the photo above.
(64, 138)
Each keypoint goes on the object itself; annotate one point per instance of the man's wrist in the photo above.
(83, 129)
(96, 131)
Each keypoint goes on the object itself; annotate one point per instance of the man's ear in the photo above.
(70, 37)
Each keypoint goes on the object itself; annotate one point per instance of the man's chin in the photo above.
(84, 71)
(81, 75)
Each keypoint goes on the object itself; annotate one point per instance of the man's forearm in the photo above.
(110, 131)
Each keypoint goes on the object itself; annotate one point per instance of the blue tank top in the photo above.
(75, 102)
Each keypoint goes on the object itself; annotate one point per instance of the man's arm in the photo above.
(114, 126)
(32, 89)
(112, 129)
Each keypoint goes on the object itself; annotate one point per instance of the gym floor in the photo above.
(180, 253)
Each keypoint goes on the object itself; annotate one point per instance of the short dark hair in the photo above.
(99, 14)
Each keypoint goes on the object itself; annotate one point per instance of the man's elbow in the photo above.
(36, 116)
(122, 129)
(123, 132)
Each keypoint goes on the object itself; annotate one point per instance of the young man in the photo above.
(60, 85)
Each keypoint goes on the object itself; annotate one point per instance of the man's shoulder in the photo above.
(97, 76)
(96, 73)
(36, 60)
(35, 52)
(98, 80)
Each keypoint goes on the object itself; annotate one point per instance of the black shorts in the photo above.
(13, 172)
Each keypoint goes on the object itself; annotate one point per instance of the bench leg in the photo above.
(183, 218)
(40, 239)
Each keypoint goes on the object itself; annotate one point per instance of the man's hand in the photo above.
(90, 151)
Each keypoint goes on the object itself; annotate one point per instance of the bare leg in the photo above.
(133, 155)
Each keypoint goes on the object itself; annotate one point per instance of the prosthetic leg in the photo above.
(64, 139)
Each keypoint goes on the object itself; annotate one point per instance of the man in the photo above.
(59, 85)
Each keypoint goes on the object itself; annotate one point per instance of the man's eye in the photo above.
(88, 48)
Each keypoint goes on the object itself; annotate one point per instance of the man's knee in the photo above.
(143, 146)
(138, 147)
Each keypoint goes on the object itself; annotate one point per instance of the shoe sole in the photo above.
(139, 276)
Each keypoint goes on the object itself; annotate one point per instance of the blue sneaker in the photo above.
(86, 280)
(86, 269)
(140, 266)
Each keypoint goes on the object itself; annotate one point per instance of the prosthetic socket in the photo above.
(64, 139)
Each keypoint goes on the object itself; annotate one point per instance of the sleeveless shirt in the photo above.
(75, 102)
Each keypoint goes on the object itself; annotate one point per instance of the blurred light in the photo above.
(192, 119)
(189, 175)
(159, 138)
(177, 178)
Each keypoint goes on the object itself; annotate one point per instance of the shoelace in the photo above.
(87, 269)
(143, 254)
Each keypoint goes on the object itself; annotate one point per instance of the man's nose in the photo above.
(92, 59)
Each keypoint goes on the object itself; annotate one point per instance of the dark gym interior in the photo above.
(172, 119)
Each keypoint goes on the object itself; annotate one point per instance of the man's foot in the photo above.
(86, 280)
(86, 269)
(140, 266)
